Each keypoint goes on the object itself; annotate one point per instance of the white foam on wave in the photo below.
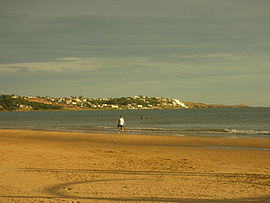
(248, 132)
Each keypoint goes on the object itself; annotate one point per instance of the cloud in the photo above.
(223, 55)
(148, 70)
(69, 59)
(35, 67)
(74, 64)
(8, 69)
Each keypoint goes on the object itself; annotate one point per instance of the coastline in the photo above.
(208, 106)
(37, 103)
(63, 166)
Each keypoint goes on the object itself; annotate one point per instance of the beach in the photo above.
(47, 166)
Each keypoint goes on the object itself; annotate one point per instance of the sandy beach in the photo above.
(42, 166)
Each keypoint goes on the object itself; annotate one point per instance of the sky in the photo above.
(209, 51)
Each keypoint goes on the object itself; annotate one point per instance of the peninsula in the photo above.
(30, 103)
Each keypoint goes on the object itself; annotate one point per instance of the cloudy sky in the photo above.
(211, 51)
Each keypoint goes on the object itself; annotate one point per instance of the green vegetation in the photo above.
(22, 103)
(17, 103)
(130, 102)
(13, 103)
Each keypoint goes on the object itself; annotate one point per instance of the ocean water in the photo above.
(216, 122)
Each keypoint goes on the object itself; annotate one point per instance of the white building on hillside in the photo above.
(180, 103)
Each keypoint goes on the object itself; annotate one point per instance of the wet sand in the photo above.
(41, 166)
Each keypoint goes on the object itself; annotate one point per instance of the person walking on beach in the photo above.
(121, 124)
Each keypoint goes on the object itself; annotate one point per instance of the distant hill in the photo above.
(202, 105)
(23, 103)
(16, 103)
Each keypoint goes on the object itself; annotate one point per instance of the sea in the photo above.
(211, 122)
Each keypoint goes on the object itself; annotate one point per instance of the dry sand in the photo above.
(41, 166)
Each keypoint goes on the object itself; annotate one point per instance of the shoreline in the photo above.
(85, 167)
(210, 106)
(222, 141)
(208, 133)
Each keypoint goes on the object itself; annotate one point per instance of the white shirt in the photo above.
(121, 121)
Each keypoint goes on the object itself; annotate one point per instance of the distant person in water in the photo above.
(143, 117)
(121, 124)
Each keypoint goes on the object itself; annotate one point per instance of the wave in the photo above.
(201, 132)
(249, 132)
(183, 131)
(230, 131)
(154, 130)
